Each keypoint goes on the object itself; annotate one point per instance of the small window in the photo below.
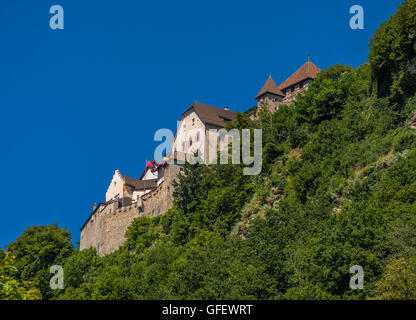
(197, 136)
(190, 142)
(183, 146)
(193, 121)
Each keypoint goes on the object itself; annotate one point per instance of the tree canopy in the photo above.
(36, 251)
(337, 189)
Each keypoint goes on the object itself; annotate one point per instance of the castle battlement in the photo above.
(106, 227)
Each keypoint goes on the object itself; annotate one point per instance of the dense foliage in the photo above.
(392, 55)
(10, 287)
(36, 251)
(337, 189)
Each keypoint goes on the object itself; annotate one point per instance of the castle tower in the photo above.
(270, 95)
(299, 81)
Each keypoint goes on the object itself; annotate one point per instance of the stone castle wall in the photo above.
(105, 230)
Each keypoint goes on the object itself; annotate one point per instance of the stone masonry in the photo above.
(105, 229)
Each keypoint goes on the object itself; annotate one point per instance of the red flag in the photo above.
(150, 165)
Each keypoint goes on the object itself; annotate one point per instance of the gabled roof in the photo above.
(144, 172)
(212, 115)
(307, 71)
(270, 87)
(139, 184)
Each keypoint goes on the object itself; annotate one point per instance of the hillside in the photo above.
(337, 189)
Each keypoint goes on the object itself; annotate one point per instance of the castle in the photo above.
(152, 193)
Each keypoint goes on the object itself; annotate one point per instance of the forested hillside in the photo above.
(337, 189)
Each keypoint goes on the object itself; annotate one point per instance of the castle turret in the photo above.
(270, 95)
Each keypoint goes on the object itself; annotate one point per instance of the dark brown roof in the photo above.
(270, 87)
(212, 115)
(307, 71)
(140, 184)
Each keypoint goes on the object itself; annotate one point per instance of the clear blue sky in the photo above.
(78, 103)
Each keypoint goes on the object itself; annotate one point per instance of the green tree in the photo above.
(36, 251)
(189, 187)
(398, 282)
(10, 287)
(142, 233)
(393, 49)
(82, 267)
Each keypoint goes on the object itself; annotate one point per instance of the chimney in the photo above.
(94, 207)
(227, 109)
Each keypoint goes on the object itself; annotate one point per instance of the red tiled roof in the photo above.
(212, 115)
(270, 87)
(307, 71)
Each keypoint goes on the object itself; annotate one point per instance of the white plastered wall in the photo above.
(115, 188)
(190, 128)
